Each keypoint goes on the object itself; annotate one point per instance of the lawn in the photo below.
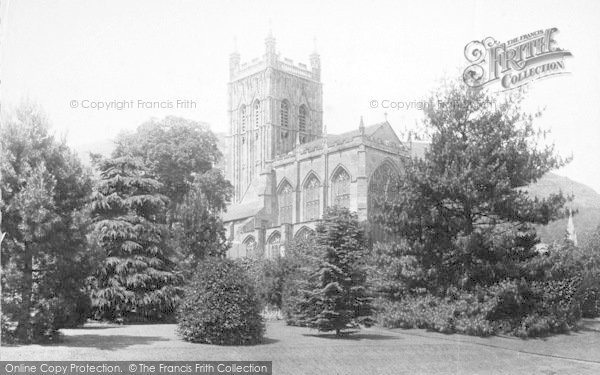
(302, 351)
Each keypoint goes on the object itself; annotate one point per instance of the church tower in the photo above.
(274, 106)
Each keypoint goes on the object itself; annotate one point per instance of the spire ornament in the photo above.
(571, 234)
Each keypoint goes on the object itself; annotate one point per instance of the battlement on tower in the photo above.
(286, 65)
(271, 58)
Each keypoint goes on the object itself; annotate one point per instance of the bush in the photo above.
(392, 271)
(268, 277)
(446, 315)
(43, 323)
(220, 306)
(71, 313)
(579, 267)
(519, 308)
(589, 294)
(7, 330)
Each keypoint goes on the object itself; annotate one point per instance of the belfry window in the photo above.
(285, 114)
(302, 114)
(256, 114)
(243, 118)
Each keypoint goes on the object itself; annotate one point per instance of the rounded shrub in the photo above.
(220, 306)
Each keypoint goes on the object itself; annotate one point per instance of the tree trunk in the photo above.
(468, 219)
(2, 234)
(24, 330)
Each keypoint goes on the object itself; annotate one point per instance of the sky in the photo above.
(62, 54)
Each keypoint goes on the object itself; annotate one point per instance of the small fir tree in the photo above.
(341, 300)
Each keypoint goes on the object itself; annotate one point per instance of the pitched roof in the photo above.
(369, 131)
(241, 211)
(346, 136)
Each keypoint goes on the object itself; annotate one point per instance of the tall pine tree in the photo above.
(136, 279)
(45, 257)
(464, 210)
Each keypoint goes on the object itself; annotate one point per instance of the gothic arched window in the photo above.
(304, 234)
(285, 114)
(384, 186)
(256, 114)
(273, 246)
(249, 246)
(285, 200)
(243, 118)
(302, 114)
(340, 188)
(311, 199)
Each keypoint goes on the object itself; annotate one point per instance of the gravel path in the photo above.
(302, 351)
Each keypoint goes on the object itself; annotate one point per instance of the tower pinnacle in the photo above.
(270, 53)
(234, 60)
(361, 126)
(315, 61)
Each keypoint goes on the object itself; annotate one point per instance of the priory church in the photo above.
(284, 166)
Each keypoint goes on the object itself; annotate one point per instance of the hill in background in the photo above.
(586, 201)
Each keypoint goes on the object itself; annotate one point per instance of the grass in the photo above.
(296, 350)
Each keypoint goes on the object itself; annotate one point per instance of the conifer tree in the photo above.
(341, 300)
(136, 279)
(45, 258)
(463, 209)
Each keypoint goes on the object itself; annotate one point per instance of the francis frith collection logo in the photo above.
(515, 63)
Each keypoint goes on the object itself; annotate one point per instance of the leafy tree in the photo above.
(136, 279)
(198, 230)
(340, 300)
(468, 219)
(181, 154)
(175, 150)
(46, 258)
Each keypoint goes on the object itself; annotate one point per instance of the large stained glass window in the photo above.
(384, 186)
